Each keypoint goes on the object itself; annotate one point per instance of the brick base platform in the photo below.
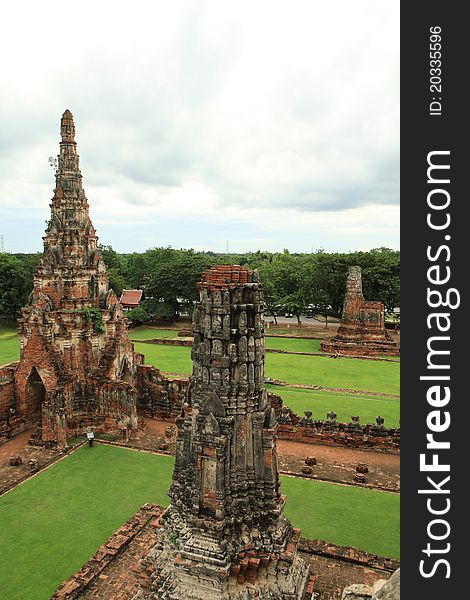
(116, 571)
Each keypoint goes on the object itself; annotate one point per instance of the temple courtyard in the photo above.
(70, 508)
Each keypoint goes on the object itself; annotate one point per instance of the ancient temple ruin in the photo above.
(224, 534)
(77, 367)
(362, 328)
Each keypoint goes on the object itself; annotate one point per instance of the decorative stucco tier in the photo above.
(224, 534)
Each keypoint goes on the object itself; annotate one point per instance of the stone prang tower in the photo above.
(224, 535)
(362, 328)
(77, 367)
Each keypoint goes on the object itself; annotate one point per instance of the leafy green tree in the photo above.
(137, 316)
(283, 281)
(16, 283)
(116, 265)
(173, 275)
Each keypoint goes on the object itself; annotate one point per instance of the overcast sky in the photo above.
(258, 124)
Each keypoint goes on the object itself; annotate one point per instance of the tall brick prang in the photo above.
(362, 328)
(77, 367)
(224, 534)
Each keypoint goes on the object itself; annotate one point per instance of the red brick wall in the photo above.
(159, 397)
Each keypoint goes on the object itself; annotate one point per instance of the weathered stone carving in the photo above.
(307, 418)
(224, 534)
(379, 427)
(362, 328)
(354, 424)
(331, 417)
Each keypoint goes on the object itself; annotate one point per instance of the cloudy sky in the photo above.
(206, 124)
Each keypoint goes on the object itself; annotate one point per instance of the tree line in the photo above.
(293, 283)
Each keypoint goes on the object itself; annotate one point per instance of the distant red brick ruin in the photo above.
(77, 367)
(362, 329)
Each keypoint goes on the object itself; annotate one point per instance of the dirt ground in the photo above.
(336, 464)
(18, 446)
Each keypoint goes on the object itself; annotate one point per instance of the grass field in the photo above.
(349, 373)
(290, 344)
(53, 523)
(344, 405)
(340, 514)
(173, 359)
(293, 345)
(151, 334)
(9, 344)
(367, 375)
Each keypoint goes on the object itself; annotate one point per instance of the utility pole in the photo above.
(2, 244)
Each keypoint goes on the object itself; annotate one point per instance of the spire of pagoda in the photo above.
(68, 175)
(71, 256)
(67, 127)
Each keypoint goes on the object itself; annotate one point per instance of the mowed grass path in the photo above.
(9, 344)
(172, 359)
(53, 523)
(348, 373)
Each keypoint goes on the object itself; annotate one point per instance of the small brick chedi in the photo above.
(224, 534)
(77, 367)
(362, 328)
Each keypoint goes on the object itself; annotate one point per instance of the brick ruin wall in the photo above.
(159, 397)
(10, 422)
(100, 408)
(330, 432)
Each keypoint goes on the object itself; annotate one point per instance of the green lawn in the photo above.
(293, 345)
(344, 515)
(349, 373)
(344, 405)
(9, 344)
(53, 523)
(367, 375)
(151, 334)
(173, 359)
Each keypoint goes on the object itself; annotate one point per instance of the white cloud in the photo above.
(278, 115)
